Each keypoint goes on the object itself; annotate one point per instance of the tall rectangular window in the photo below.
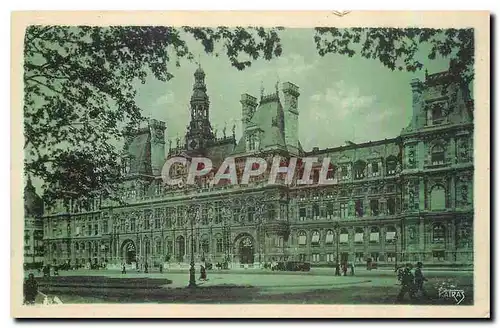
(344, 210)
(302, 213)
(374, 207)
(391, 206)
(315, 211)
(329, 210)
(250, 213)
(358, 207)
(219, 245)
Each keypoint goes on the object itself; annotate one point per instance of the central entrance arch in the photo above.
(246, 249)
(129, 253)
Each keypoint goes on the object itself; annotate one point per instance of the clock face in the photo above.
(193, 144)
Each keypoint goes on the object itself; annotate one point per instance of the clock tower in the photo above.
(199, 133)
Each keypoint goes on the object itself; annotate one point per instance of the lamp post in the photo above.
(396, 249)
(260, 212)
(192, 209)
(336, 227)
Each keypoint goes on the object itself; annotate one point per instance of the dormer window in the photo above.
(437, 113)
(375, 169)
(359, 170)
(252, 142)
(391, 164)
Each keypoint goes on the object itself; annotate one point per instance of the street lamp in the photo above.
(396, 250)
(192, 271)
(337, 269)
(260, 212)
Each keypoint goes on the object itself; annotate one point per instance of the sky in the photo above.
(341, 98)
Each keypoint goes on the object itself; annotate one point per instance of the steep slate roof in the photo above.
(268, 118)
(33, 204)
(139, 151)
(220, 150)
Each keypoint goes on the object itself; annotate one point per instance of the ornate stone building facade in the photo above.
(407, 198)
(33, 228)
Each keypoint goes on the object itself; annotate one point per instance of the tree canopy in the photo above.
(79, 95)
(397, 48)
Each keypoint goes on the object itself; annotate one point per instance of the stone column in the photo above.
(452, 151)
(382, 242)
(452, 192)
(421, 194)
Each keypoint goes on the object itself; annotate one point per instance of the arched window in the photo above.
(344, 236)
(359, 170)
(437, 155)
(205, 245)
(438, 233)
(315, 238)
(158, 247)
(219, 244)
(329, 237)
(374, 235)
(438, 198)
(302, 238)
(358, 236)
(390, 234)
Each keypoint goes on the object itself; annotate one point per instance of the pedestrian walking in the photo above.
(337, 269)
(407, 283)
(30, 289)
(352, 268)
(344, 268)
(161, 267)
(146, 267)
(203, 273)
(124, 271)
(419, 280)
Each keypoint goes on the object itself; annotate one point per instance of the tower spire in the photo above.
(199, 129)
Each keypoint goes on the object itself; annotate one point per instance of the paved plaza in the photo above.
(317, 286)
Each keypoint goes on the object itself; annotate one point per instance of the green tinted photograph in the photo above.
(238, 165)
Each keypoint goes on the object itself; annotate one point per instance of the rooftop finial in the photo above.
(426, 73)
(261, 89)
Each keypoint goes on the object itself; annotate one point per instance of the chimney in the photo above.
(416, 89)
(291, 106)
(248, 106)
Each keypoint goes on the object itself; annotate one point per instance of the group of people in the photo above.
(145, 267)
(30, 289)
(412, 281)
(344, 267)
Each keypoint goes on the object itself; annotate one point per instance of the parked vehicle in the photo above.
(298, 266)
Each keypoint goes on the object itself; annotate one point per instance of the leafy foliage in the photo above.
(79, 96)
(398, 48)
